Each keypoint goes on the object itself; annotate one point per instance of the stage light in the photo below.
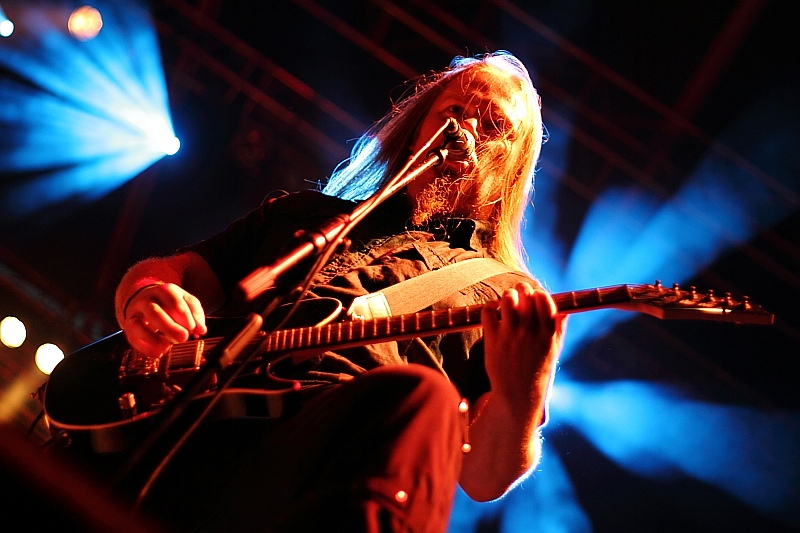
(12, 332)
(80, 118)
(155, 128)
(6, 27)
(48, 355)
(85, 23)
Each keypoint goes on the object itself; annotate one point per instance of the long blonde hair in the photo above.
(383, 149)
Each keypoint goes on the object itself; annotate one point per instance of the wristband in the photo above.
(135, 294)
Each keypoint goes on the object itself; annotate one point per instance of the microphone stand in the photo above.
(334, 230)
(321, 242)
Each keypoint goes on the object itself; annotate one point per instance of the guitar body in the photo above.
(83, 389)
(104, 394)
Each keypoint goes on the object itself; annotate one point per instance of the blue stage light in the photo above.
(80, 118)
(6, 27)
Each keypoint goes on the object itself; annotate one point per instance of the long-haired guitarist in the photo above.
(381, 432)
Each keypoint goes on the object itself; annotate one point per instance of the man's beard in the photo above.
(454, 194)
(434, 199)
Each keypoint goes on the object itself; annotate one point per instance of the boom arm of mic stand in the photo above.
(263, 278)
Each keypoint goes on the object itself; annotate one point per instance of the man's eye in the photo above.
(455, 110)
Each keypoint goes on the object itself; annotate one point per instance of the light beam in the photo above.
(751, 454)
(631, 236)
(82, 117)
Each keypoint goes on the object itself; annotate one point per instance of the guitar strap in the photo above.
(426, 289)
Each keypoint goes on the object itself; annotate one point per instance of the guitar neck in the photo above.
(654, 300)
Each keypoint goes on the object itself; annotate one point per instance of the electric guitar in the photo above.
(107, 386)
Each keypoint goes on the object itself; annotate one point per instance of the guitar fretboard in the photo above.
(665, 303)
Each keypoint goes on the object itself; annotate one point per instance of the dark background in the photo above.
(267, 95)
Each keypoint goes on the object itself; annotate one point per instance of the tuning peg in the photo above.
(709, 297)
(745, 305)
(728, 301)
(686, 296)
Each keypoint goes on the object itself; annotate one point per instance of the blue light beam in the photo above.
(655, 431)
(79, 117)
(631, 236)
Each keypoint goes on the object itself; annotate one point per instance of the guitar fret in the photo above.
(198, 354)
(276, 340)
(285, 345)
(297, 338)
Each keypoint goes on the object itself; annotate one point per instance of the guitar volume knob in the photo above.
(127, 405)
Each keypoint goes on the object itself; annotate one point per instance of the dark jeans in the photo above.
(380, 453)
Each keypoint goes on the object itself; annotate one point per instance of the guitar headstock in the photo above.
(674, 303)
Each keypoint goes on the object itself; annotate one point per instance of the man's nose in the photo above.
(471, 125)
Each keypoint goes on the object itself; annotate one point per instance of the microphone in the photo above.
(460, 142)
